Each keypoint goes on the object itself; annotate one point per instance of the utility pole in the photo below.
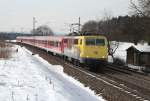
(76, 24)
(34, 25)
(79, 25)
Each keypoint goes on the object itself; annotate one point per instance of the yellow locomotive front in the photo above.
(86, 49)
(93, 49)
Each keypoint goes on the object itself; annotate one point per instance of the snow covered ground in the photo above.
(123, 46)
(121, 52)
(24, 77)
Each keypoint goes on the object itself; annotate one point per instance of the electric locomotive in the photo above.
(86, 49)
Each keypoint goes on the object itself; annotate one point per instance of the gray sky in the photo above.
(16, 15)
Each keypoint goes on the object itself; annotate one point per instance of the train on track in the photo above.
(82, 49)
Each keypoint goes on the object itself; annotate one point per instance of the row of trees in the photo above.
(8, 36)
(42, 30)
(39, 31)
(141, 8)
(124, 28)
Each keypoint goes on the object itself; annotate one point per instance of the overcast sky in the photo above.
(17, 15)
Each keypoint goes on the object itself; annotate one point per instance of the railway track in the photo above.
(138, 86)
(126, 69)
(112, 84)
(121, 86)
(122, 83)
(139, 75)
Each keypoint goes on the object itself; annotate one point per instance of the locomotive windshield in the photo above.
(95, 42)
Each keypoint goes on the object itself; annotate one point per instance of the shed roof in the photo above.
(141, 48)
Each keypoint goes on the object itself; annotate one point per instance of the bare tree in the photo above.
(112, 48)
(90, 26)
(142, 7)
(43, 30)
(107, 15)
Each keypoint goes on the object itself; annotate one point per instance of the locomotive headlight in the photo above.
(103, 56)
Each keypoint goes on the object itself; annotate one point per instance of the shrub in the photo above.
(118, 61)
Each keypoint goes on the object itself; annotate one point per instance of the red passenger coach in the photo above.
(50, 43)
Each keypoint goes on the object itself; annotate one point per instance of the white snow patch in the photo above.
(136, 67)
(122, 53)
(11, 41)
(25, 77)
(143, 48)
(123, 46)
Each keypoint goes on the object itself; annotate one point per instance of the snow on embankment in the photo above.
(67, 84)
(25, 77)
(123, 46)
(121, 52)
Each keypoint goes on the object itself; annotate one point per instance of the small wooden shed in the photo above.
(138, 55)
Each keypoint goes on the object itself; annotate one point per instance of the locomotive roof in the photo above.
(94, 36)
(141, 48)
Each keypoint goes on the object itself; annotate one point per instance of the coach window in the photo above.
(65, 40)
(57, 44)
(76, 41)
(70, 43)
(48, 42)
(52, 43)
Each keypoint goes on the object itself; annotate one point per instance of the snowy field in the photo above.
(24, 77)
(121, 52)
(123, 46)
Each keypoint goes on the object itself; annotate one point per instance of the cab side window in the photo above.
(76, 41)
(81, 42)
